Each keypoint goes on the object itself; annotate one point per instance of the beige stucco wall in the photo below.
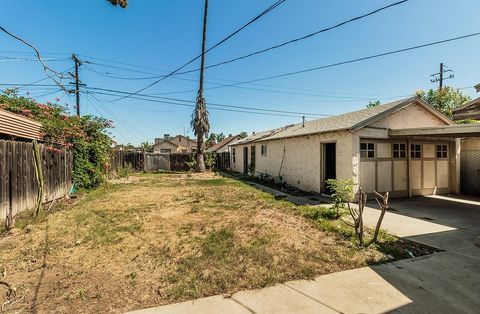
(301, 159)
(166, 145)
(413, 116)
(298, 160)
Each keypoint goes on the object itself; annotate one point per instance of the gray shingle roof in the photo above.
(346, 121)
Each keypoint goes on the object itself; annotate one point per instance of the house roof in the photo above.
(349, 121)
(470, 110)
(16, 125)
(477, 87)
(222, 143)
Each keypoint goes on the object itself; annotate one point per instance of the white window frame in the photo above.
(233, 155)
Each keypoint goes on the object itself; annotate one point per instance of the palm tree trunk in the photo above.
(201, 115)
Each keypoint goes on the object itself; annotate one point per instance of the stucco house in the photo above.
(405, 147)
(222, 146)
(174, 144)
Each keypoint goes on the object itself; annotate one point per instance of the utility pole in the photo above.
(441, 76)
(77, 82)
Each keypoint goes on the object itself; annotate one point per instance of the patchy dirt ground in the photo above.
(163, 238)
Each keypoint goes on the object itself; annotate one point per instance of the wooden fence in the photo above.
(18, 182)
(150, 162)
(127, 159)
(222, 161)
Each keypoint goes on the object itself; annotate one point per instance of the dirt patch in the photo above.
(163, 238)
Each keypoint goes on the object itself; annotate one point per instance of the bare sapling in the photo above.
(357, 214)
(382, 201)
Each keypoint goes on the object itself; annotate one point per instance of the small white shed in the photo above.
(405, 147)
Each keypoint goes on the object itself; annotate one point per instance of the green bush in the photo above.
(342, 191)
(87, 135)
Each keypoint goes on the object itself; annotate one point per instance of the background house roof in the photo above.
(349, 121)
(222, 143)
(12, 124)
(470, 110)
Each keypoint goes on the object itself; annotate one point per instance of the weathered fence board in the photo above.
(150, 162)
(222, 161)
(18, 182)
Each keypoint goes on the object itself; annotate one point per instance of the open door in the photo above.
(245, 160)
(329, 165)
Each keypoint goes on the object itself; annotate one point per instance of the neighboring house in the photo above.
(222, 146)
(176, 144)
(470, 149)
(16, 127)
(405, 147)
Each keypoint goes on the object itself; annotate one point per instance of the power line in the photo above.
(300, 38)
(100, 114)
(286, 42)
(265, 12)
(210, 103)
(357, 98)
(211, 108)
(46, 68)
(349, 61)
(125, 124)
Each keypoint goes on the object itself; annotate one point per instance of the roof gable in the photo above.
(351, 121)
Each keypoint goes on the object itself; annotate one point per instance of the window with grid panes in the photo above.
(442, 151)
(367, 150)
(416, 151)
(399, 150)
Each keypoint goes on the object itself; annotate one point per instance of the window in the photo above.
(165, 151)
(233, 155)
(442, 151)
(399, 151)
(264, 149)
(367, 150)
(416, 151)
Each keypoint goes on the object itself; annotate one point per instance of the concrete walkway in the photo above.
(445, 282)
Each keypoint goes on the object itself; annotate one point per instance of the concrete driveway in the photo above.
(444, 282)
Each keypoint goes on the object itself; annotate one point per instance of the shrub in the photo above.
(87, 135)
(342, 191)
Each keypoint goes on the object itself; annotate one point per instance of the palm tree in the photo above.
(122, 3)
(199, 123)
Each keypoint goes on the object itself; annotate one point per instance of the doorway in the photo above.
(245, 160)
(329, 165)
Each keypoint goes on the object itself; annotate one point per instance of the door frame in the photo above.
(322, 163)
(245, 160)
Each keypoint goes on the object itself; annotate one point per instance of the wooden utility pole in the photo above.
(77, 82)
(441, 76)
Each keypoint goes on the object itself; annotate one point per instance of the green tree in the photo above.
(444, 100)
(212, 140)
(243, 134)
(373, 104)
(147, 146)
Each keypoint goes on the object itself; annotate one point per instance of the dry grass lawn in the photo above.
(162, 238)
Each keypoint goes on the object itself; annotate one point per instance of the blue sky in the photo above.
(158, 36)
